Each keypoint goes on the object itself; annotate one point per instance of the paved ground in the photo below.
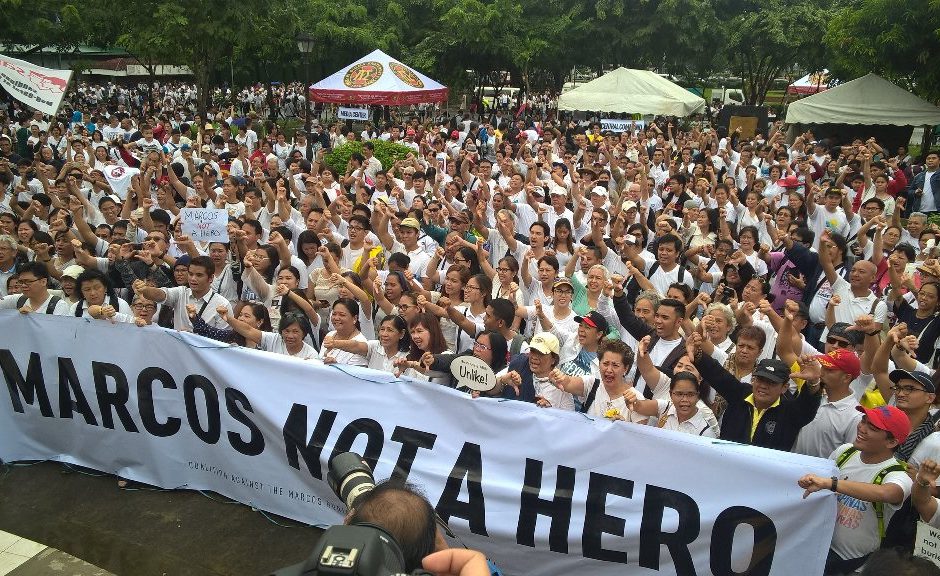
(138, 532)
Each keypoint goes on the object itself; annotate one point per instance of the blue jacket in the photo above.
(913, 200)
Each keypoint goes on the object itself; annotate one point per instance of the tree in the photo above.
(897, 39)
(780, 34)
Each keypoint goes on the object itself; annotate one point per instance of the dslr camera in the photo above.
(356, 550)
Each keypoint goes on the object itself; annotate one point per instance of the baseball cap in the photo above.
(209, 126)
(185, 146)
(773, 370)
(841, 330)
(411, 223)
(600, 191)
(545, 342)
(557, 190)
(920, 377)
(562, 281)
(561, 165)
(538, 191)
(842, 359)
(72, 271)
(790, 181)
(115, 198)
(594, 320)
(890, 419)
(629, 205)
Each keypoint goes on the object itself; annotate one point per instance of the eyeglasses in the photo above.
(144, 306)
(504, 270)
(403, 307)
(356, 228)
(482, 346)
(906, 389)
(469, 287)
(434, 209)
(27, 281)
(838, 343)
(685, 394)
(562, 291)
(460, 260)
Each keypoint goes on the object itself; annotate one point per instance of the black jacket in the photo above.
(778, 426)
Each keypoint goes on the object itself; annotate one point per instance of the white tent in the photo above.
(632, 92)
(869, 100)
(378, 79)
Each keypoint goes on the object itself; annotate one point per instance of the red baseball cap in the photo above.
(790, 181)
(890, 419)
(842, 359)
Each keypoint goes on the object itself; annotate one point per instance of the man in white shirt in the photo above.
(34, 282)
(830, 217)
(198, 293)
(837, 419)
(854, 298)
(871, 483)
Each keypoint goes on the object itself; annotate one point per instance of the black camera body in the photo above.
(356, 550)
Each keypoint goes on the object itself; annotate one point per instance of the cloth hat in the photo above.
(561, 165)
(545, 342)
(72, 271)
(460, 217)
(600, 191)
(594, 320)
(890, 419)
(411, 223)
(773, 370)
(562, 281)
(920, 377)
(841, 330)
(790, 181)
(842, 359)
(931, 267)
(209, 126)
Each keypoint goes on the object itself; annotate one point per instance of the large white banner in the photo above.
(38, 87)
(540, 491)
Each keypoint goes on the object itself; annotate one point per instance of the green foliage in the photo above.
(897, 39)
(387, 152)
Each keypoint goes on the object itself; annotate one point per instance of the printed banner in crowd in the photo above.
(612, 125)
(540, 491)
(35, 86)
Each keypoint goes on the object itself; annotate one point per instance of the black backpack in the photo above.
(50, 307)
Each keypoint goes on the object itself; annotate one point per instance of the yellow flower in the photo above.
(612, 413)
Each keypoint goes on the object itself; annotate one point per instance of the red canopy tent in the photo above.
(378, 79)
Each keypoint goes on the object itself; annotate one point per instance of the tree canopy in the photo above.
(535, 43)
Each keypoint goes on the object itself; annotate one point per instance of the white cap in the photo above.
(629, 205)
(600, 191)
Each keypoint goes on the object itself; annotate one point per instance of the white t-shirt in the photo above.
(661, 279)
(342, 356)
(60, 309)
(856, 531)
(274, 342)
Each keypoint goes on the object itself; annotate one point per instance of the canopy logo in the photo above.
(363, 74)
(406, 75)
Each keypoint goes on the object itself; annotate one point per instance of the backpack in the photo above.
(879, 478)
(50, 307)
(655, 267)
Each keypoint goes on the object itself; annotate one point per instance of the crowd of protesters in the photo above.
(778, 293)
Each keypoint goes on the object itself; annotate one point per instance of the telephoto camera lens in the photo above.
(350, 477)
